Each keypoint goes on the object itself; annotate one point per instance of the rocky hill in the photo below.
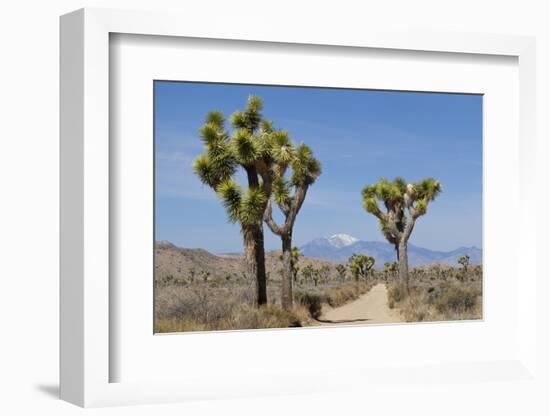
(181, 262)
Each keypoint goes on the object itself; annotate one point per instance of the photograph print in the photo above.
(285, 207)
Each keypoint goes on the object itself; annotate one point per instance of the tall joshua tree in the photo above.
(403, 205)
(289, 195)
(252, 146)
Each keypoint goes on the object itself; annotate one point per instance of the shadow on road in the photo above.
(341, 321)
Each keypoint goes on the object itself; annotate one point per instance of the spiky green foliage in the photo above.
(252, 206)
(230, 193)
(216, 118)
(245, 148)
(361, 265)
(398, 199)
(305, 168)
(281, 191)
(251, 118)
(282, 148)
(289, 193)
(255, 145)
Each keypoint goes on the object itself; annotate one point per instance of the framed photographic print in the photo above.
(243, 215)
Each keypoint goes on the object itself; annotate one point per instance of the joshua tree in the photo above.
(316, 276)
(289, 195)
(324, 273)
(464, 261)
(390, 268)
(341, 270)
(404, 204)
(205, 275)
(360, 265)
(309, 273)
(253, 146)
(295, 257)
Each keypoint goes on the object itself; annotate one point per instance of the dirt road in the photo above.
(370, 308)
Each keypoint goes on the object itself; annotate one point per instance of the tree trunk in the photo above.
(403, 264)
(255, 261)
(286, 284)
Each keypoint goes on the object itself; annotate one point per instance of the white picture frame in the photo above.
(86, 304)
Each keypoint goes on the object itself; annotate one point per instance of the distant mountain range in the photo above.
(340, 247)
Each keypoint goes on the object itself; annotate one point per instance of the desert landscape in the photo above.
(243, 185)
(196, 290)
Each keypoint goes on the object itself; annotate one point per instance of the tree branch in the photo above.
(268, 218)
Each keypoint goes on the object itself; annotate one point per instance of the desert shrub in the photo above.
(435, 298)
(396, 293)
(271, 316)
(416, 308)
(312, 301)
(457, 299)
(344, 294)
(341, 295)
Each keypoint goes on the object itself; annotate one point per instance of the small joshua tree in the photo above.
(316, 276)
(360, 265)
(295, 257)
(390, 269)
(289, 195)
(404, 204)
(464, 261)
(205, 275)
(341, 270)
(324, 273)
(307, 272)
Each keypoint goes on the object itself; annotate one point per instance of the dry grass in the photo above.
(242, 317)
(438, 297)
(438, 293)
(225, 305)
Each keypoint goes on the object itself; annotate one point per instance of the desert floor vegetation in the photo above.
(438, 293)
(222, 304)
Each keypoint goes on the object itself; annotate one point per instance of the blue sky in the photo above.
(358, 135)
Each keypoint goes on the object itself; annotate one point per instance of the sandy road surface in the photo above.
(370, 308)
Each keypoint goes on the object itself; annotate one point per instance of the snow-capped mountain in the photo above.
(342, 240)
(340, 247)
